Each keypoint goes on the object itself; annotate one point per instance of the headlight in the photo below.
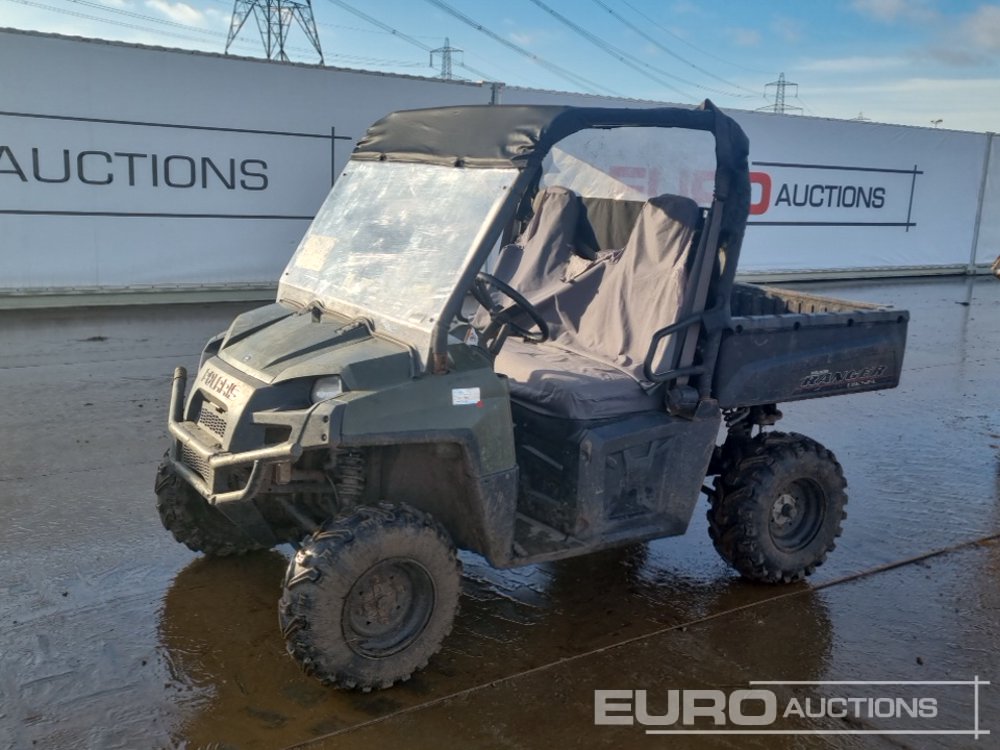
(327, 388)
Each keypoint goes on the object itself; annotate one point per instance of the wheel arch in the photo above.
(439, 472)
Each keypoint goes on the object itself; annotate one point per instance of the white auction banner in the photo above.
(124, 167)
(102, 203)
(830, 194)
(135, 167)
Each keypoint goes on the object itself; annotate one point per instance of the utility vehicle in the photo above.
(512, 330)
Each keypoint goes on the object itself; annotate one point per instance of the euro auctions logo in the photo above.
(942, 708)
(797, 194)
(787, 194)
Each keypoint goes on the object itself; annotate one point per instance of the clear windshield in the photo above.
(391, 240)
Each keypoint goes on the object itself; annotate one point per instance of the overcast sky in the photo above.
(900, 61)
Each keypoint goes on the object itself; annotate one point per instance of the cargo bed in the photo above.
(784, 345)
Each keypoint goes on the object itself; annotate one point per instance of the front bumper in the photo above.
(309, 428)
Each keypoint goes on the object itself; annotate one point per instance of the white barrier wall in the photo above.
(125, 167)
(988, 245)
(839, 195)
(122, 166)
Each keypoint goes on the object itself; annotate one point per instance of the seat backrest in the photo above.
(606, 223)
(642, 289)
(545, 246)
(545, 254)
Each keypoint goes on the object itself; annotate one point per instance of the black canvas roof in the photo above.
(521, 135)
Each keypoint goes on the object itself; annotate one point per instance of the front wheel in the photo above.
(776, 512)
(193, 521)
(369, 598)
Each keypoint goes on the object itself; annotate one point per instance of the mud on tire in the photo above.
(777, 508)
(368, 599)
(193, 521)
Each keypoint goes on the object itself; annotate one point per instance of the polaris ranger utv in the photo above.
(377, 419)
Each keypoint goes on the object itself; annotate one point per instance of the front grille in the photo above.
(211, 421)
(193, 461)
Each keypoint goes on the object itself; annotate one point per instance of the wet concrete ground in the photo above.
(114, 636)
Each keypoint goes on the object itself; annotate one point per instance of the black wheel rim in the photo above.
(388, 607)
(797, 514)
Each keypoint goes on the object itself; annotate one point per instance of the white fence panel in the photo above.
(124, 167)
(988, 246)
(837, 195)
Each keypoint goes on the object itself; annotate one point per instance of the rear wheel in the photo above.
(369, 598)
(193, 521)
(777, 508)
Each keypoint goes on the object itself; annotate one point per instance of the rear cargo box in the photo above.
(789, 346)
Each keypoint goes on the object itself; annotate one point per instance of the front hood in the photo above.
(275, 344)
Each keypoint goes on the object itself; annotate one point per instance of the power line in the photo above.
(151, 19)
(359, 30)
(160, 21)
(798, 98)
(573, 78)
(405, 37)
(347, 59)
(693, 46)
(112, 22)
(385, 62)
(673, 54)
(384, 26)
(623, 57)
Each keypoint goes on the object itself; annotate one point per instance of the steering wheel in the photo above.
(502, 319)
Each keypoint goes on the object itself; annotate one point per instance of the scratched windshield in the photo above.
(391, 240)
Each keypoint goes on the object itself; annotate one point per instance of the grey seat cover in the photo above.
(546, 246)
(608, 223)
(640, 290)
(559, 383)
(602, 312)
(535, 264)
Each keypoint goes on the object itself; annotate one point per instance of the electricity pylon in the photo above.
(274, 19)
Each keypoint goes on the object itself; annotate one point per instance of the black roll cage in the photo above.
(486, 136)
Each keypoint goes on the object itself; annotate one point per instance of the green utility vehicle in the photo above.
(512, 330)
